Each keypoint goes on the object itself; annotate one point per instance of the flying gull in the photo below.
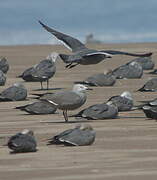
(99, 111)
(40, 107)
(41, 72)
(82, 54)
(124, 102)
(68, 100)
(2, 78)
(129, 71)
(81, 135)
(17, 92)
(101, 79)
(23, 142)
(150, 85)
(4, 65)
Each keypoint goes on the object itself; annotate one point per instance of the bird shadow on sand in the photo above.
(128, 117)
(63, 122)
(50, 89)
(26, 114)
(16, 153)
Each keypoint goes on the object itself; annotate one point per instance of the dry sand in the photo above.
(125, 148)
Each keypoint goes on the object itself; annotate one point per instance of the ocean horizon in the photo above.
(110, 21)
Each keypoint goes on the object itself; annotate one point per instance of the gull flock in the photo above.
(68, 100)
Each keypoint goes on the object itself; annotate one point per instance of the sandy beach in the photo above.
(125, 148)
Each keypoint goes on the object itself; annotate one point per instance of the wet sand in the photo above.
(125, 148)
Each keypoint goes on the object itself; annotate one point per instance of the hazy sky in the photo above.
(108, 20)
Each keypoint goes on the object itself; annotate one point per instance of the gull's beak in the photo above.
(90, 89)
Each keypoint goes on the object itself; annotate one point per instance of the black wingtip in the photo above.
(152, 72)
(80, 82)
(20, 76)
(20, 107)
(42, 24)
(35, 94)
(148, 54)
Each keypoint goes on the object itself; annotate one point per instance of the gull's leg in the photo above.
(41, 84)
(71, 66)
(65, 115)
(47, 84)
(68, 65)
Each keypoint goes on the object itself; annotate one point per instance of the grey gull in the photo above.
(124, 102)
(82, 54)
(128, 71)
(150, 85)
(145, 62)
(23, 142)
(40, 107)
(41, 72)
(2, 78)
(4, 65)
(101, 79)
(81, 135)
(17, 92)
(99, 111)
(68, 100)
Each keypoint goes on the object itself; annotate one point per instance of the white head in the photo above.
(146, 107)
(27, 131)
(53, 56)
(107, 71)
(126, 94)
(135, 64)
(18, 84)
(84, 127)
(80, 88)
(110, 103)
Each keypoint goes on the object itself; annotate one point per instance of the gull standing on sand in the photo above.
(99, 111)
(81, 54)
(40, 107)
(129, 71)
(68, 100)
(124, 102)
(17, 92)
(41, 72)
(81, 135)
(23, 142)
(101, 79)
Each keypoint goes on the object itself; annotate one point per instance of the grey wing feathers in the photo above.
(22, 143)
(78, 138)
(73, 43)
(127, 53)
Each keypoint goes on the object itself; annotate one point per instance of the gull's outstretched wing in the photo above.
(127, 53)
(72, 43)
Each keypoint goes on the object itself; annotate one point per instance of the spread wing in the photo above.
(127, 53)
(72, 43)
